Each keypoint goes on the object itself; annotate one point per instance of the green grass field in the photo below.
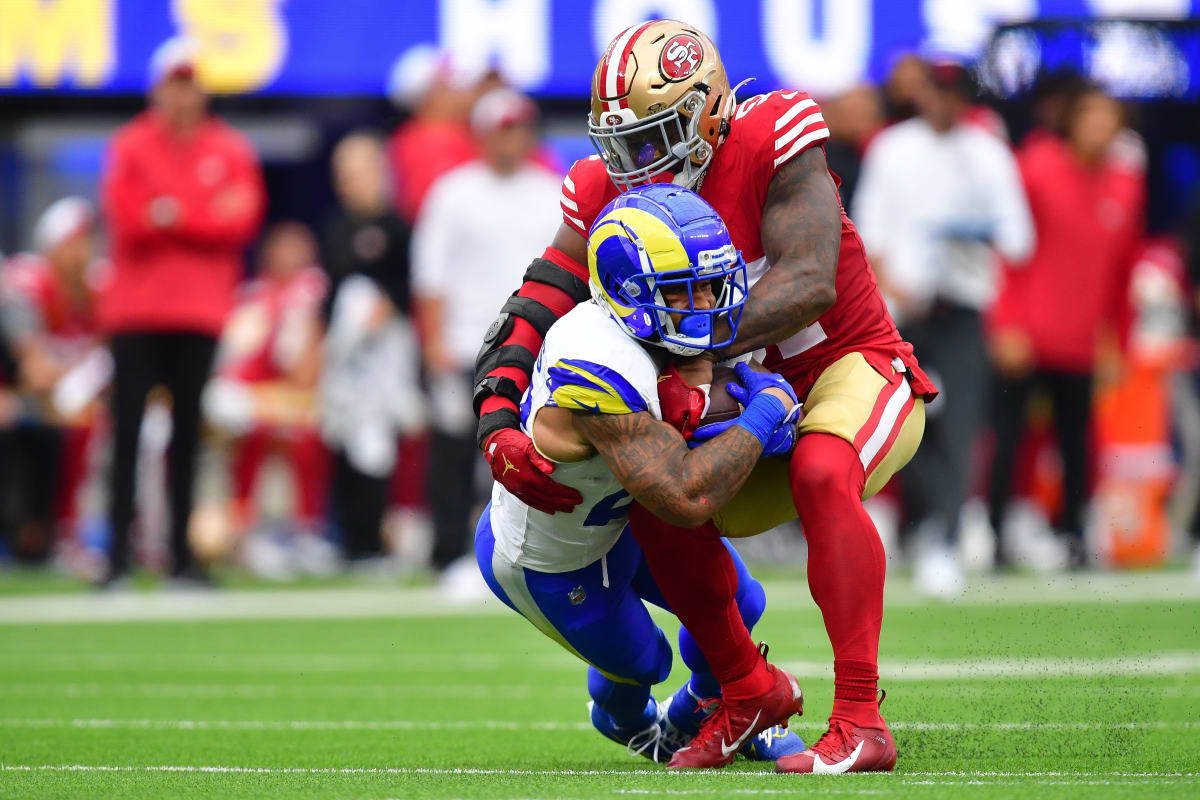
(1027, 688)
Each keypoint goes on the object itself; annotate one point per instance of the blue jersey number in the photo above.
(607, 510)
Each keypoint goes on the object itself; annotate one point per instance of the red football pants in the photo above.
(305, 454)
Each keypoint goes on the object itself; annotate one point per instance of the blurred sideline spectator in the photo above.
(902, 86)
(1193, 250)
(937, 200)
(905, 83)
(47, 319)
(853, 118)
(264, 397)
(1056, 323)
(183, 196)
(366, 236)
(369, 389)
(1053, 95)
(436, 138)
(472, 242)
(1186, 501)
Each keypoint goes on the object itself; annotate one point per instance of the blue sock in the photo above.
(684, 711)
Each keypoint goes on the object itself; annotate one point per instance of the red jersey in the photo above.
(263, 338)
(1089, 226)
(41, 305)
(421, 151)
(766, 132)
(180, 277)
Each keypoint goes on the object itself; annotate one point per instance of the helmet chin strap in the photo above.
(731, 101)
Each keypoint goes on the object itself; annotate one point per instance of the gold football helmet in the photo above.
(661, 103)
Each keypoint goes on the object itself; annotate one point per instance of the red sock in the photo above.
(846, 566)
(697, 577)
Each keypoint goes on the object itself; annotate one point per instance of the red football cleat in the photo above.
(844, 748)
(732, 723)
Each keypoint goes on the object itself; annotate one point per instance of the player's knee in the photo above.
(649, 666)
(824, 466)
(751, 600)
(654, 665)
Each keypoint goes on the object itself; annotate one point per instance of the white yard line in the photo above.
(265, 691)
(294, 725)
(554, 772)
(438, 663)
(512, 725)
(1108, 588)
(1169, 663)
(1147, 665)
(268, 691)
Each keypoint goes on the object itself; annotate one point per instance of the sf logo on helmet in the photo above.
(680, 57)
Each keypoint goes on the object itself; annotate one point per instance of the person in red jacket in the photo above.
(1057, 320)
(183, 196)
(436, 137)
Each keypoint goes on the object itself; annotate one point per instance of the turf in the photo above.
(1034, 693)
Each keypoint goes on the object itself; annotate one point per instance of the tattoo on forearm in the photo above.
(652, 461)
(801, 234)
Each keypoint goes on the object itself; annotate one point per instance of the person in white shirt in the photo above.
(471, 245)
(938, 204)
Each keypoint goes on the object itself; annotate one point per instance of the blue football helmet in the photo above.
(660, 236)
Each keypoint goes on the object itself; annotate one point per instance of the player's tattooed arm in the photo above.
(681, 486)
(801, 234)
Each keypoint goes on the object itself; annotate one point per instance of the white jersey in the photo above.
(588, 363)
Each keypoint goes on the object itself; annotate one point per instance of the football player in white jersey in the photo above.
(663, 109)
(663, 271)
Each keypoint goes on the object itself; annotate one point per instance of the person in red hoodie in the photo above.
(183, 196)
(1057, 320)
(436, 137)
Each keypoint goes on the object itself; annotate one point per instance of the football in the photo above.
(721, 405)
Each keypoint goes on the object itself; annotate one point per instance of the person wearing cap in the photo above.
(470, 246)
(183, 196)
(437, 93)
(939, 201)
(47, 321)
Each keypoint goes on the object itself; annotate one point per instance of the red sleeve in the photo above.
(525, 334)
(780, 126)
(585, 191)
(207, 222)
(126, 194)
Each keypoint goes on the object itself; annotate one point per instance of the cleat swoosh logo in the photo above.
(729, 749)
(821, 768)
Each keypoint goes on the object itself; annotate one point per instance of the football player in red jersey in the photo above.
(663, 110)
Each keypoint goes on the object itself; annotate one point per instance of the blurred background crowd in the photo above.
(238, 332)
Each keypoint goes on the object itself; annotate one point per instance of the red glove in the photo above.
(682, 404)
(522, 470)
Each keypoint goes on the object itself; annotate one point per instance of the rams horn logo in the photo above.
(680, 56)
